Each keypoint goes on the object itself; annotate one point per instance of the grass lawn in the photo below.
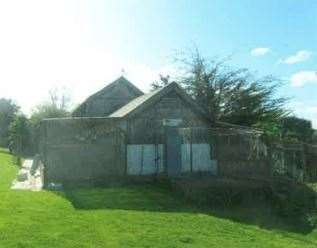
(138, 216)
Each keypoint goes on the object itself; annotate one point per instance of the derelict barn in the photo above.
(120, 131)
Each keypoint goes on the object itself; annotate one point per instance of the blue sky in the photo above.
(83, 45)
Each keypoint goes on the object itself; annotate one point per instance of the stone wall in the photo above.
(146, 134)
(90, 149)
(82, 149)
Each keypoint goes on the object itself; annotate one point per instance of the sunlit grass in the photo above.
(127, 216)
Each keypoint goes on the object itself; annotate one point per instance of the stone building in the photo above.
(121, 131)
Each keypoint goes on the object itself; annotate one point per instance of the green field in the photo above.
(138, 216)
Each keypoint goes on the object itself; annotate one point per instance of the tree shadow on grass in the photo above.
(158, 198)
(140, 198)
(265, 218)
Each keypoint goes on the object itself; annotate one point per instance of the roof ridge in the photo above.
(134, 104)
(120, 80)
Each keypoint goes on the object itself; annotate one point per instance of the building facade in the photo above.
(120, 131)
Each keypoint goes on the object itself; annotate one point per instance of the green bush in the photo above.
(222, 192)
(291, 199)
(286, 198)
(311, 219)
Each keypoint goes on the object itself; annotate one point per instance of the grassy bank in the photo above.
(129, 216)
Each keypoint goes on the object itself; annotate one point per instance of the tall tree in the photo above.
(297, 129)
(231, 95)
(8, 111)
(163, 81)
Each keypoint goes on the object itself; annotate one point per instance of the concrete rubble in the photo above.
(29, 177)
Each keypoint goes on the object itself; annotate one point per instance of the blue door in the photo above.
(173, 152)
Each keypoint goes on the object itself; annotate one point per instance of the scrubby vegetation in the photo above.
(283, 199)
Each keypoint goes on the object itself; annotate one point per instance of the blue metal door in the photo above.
(173, 152)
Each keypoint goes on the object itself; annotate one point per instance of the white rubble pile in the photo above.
(26, 180)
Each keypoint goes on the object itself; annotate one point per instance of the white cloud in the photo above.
(301, 78)
(298, 57)
(313, 119)
(306, 110)
(260, 51)
(311, 114)
(314, 123)
(312, 109)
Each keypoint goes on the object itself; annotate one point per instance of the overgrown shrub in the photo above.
(286, 198)
(311, 219)
(222, 192)
(292, 199)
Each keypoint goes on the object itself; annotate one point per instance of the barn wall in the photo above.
(198, 151)
(220, 151)
(146, 133)
(288, 160)
(224, 152)
(82, 149)
(95, 148)
(145, 159)
(148, 127)
(198, 158)
(240, 154)
(98, 148)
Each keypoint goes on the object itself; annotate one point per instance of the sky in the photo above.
(81, 46)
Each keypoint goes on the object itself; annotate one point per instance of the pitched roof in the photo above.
(126, 109)
(142, 102)
(121, 81)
